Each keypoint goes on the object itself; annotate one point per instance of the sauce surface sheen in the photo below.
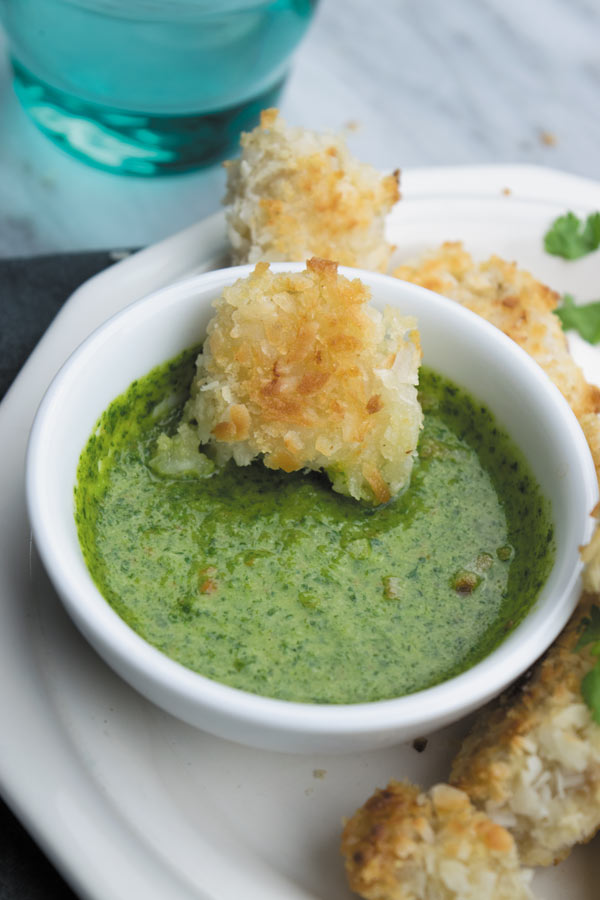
(275, 584)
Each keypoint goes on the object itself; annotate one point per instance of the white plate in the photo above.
(129, 802)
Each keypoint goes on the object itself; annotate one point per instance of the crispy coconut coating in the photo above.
(407, 845)
(301, 369)
(591, 558)
(532, 761)
(294, 194)
(521, 307)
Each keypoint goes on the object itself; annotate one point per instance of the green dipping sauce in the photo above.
(275, 584)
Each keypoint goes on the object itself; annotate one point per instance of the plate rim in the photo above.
(152, 267)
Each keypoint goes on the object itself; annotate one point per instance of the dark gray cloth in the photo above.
(32, 290)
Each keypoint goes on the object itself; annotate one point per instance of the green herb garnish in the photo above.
(589, 630)
(590, 688)
(590, 684)
(570, 238)
(585, 318)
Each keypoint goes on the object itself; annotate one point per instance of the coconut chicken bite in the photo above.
(294, 193)
(532, 760)
(301, 370)
(404, 844)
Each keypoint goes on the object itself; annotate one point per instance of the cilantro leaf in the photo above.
(584, 318)
(590, 688)
(589, 628)
(591, 232)
(570, 238)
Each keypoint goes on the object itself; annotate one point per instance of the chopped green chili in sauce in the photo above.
(274, 584)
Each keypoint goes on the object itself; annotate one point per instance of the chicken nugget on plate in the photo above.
(294, 194)
(407, 845)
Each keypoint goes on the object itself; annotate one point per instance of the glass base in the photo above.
(132, 143)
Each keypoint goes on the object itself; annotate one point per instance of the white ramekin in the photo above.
(456, 343)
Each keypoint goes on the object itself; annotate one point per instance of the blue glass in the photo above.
(150, 86)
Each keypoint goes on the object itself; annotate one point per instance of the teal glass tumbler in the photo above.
(148, 87)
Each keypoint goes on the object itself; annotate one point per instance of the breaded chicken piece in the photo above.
(521, 307)
(301, 369)
(294, 194)
(532, 761)
(407, 845)
(591, 559)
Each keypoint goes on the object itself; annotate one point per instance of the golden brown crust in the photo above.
(404, 845)
(268, 117)
(295, 194)
(521, 307)
(318, 199)
(301, 368)
(379, 833)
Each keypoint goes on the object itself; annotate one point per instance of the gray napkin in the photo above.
(32, 290)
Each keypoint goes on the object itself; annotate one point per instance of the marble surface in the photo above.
(421, 83)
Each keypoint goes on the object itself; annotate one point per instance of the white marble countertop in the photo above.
(425, 82)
